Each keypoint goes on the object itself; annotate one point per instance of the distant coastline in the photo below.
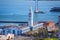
(47, 0)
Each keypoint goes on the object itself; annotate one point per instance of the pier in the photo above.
(12, 22)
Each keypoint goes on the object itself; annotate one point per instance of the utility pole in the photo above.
(59, 27)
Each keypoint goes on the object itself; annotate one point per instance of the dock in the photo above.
(13, 22)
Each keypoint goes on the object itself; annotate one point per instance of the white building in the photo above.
(13, 29)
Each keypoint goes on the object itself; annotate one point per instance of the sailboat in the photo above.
(36, 9)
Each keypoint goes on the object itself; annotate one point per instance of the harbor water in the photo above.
(14, 10)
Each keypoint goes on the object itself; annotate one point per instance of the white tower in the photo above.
(30, 17)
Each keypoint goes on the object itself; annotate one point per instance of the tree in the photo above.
(44, 32)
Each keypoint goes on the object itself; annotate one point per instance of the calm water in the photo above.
(19, 10)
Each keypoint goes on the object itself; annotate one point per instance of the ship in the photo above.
(36, 9)
(55, 9)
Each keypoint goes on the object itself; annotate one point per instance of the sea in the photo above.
(16, 10)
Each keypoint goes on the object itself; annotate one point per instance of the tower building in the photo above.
(30, 18)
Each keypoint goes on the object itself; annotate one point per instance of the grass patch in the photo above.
(48, 39)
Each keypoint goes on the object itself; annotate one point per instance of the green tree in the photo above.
(44, 32)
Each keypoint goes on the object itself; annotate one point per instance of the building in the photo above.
(10, 29)
(18, 30)
(52, 26)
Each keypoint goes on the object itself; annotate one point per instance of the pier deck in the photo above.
(12, 22)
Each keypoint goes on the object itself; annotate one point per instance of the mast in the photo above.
(36, 9)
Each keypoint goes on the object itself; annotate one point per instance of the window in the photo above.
(8, 31)
(18, 32)
(13, 31)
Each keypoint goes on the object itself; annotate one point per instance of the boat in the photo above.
(36, 9)
(55, 9)
(38, 12)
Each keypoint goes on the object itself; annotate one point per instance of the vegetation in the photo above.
(47, 39)
(42, 32)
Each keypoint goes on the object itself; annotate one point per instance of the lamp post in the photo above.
(59, 27)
